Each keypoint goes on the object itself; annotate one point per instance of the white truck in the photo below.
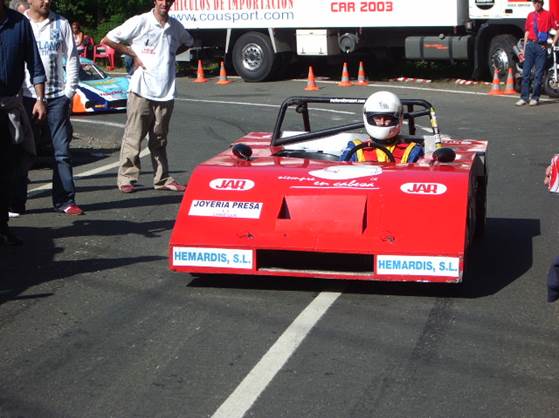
(260, 36)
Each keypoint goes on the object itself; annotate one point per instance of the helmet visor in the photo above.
(382, 118)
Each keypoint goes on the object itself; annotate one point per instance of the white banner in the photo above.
(219, 14)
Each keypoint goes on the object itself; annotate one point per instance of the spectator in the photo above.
(80, 38)
(553, 281)
(153, 39)
(537, 27)
(19, 5)
(18, 48)
(56, 45)
(553, 273)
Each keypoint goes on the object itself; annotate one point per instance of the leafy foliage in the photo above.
(97, 17)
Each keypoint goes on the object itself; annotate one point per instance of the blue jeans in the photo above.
(58, 130)
(128, 63)
(534, 56)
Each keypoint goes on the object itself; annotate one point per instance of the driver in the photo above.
(383, 117)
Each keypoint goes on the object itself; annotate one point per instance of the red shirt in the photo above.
(546, 21)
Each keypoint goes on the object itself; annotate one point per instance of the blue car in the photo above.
(99, 92)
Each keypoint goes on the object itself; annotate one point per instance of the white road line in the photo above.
(408, 87)
(88, 173)
(435, 90)
(93, 171)
(244, 396)
(98, 122)
(182, 99)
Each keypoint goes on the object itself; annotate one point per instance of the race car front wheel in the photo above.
(481, 206)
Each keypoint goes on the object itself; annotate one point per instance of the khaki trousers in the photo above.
(145, 117)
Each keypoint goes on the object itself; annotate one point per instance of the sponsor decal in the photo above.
(112, 93)
(212, 257)
(314, 183)
(346, 172)
(347, 101)
(104, 83)
(337, 177)
(239, 185)
(423, 188)
(226, 209)
(418, 265)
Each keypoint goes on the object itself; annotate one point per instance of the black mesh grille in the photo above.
(311, 261)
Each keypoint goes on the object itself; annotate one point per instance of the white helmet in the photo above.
(383, 103)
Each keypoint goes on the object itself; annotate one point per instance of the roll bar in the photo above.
(411, 112)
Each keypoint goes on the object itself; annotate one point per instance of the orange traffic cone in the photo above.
(495, 85)
(200, 74)
(311, 83)
(222, 75)
(361, 78)
(345, 77)
(509, 86)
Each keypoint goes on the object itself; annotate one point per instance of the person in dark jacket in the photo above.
(17, 47)
(553, 281)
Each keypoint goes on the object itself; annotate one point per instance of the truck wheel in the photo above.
(501, 55)
(550, 87)
(253, 57)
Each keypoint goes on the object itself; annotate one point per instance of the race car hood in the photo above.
(112, 88)
(324, 206)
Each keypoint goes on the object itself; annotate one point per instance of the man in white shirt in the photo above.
(152, 39)
(56, 47)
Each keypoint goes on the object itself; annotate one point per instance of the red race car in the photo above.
(292, 203)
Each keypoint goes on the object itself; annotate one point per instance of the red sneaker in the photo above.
(173, 186)
(73, 210)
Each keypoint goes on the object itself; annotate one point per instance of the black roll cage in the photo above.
(301, 106)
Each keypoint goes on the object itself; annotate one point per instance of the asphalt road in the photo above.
(92, 324)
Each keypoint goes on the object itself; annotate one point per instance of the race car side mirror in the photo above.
(444, 155)
(242, 151)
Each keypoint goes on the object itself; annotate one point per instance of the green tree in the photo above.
(97, 17)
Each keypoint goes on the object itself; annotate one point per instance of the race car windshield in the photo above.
(90, 72)
(382, 119)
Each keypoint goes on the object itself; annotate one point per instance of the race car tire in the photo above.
(308, 155)
(253, 57)
(501, 55)
(370, 145)
(549, 87)
(481, 207)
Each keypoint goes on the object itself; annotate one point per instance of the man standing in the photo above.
(537, 27)
(17, 47)
(56, 46)
(152, 39)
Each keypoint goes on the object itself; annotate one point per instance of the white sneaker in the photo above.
(521, 102)
(14, 214)
(534, 102)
